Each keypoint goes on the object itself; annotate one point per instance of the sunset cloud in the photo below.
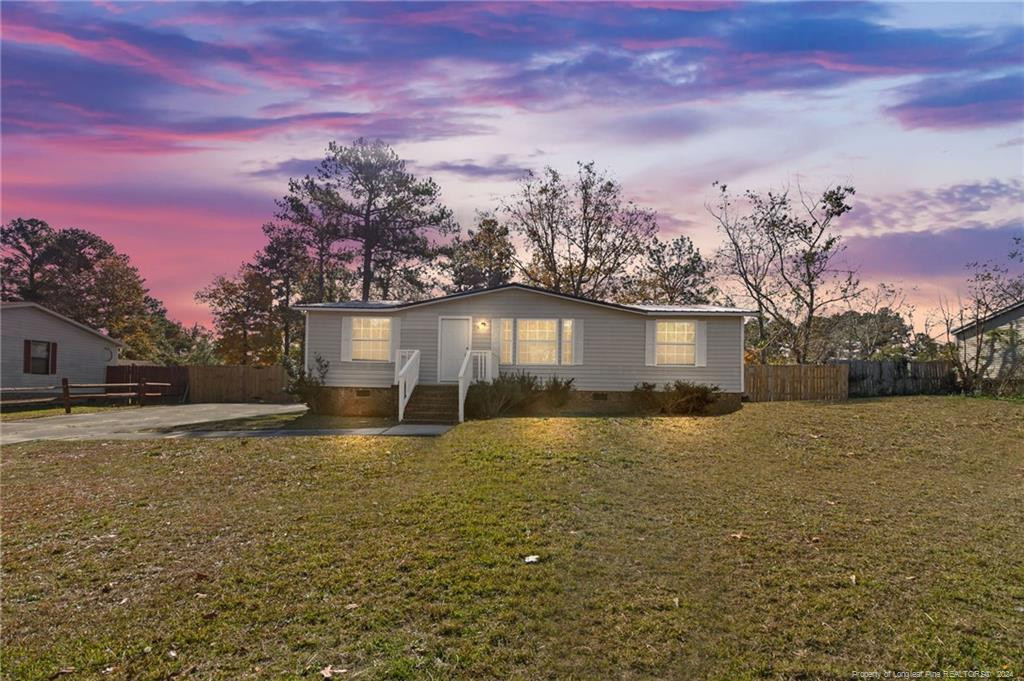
(218, 103)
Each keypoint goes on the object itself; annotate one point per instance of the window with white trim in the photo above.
(536, 341)
(371, 338)
(507, 341)
(567, 341)
(676, 343)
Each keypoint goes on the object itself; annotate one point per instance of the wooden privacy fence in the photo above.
(870, 378)
(783, 382)
(238, 384)
(175, 377)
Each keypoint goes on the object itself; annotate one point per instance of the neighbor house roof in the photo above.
(649, 310)
(998, 313)
(83, 327)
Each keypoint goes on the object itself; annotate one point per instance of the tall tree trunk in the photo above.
(763, 352)
(286, 317)
(321, 277)
(367, 270)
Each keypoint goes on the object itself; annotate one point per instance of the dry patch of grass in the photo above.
(785, 540)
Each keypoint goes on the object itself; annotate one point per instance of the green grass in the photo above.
(791, 540)
(19, 414)
(291, 421)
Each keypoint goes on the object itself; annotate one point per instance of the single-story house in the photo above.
(1002, 334)
(39, 347)
(382, 354)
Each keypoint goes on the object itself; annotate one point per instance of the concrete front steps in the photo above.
(433, 404)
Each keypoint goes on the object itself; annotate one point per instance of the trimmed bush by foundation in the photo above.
(517, 392)
(679, 398)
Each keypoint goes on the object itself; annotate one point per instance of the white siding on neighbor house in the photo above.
(82, 357)
(614, 342)
(1006, 350)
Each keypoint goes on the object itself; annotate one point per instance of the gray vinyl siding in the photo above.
(82, 357)
(995, 355)
(613, 342)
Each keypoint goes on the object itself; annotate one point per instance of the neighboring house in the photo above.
(39, 347)
(1002, 344)
(454, 340)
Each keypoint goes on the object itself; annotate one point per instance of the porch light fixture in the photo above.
(482, 324)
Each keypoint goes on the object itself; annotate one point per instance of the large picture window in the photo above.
(676, 343)
(537, 341)
(371, 338)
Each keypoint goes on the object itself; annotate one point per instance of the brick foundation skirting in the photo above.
(620, 402)
(360, 401)
(384, 402)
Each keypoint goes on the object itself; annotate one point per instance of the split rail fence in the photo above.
(66, 393)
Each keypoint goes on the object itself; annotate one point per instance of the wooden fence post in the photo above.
(142, 392)
(66, 391)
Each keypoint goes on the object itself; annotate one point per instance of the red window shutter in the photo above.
(26, 359)
(53, 358)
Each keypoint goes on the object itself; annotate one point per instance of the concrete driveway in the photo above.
(132, 424)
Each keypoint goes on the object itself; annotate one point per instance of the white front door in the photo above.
(454, 340)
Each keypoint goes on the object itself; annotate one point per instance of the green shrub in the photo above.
(680, 398)
(555, 392)
(516, 392)
(505, 393)
(308, 386)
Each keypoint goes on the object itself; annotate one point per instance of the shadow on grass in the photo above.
(292, 421)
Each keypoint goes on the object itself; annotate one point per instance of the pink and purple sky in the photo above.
(170, 128)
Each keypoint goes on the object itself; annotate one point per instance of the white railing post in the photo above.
(408, 378)
(465, 373)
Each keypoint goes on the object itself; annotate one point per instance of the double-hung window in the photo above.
(567, 341)
(371, 338)
(536, 341)
(507, 341)
(676, 343)
(39, 357)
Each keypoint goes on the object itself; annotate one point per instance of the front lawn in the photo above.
(784, 540)
(22, 413)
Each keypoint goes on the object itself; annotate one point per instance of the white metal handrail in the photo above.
(408, 379)
(464, 379)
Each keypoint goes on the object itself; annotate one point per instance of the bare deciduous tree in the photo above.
(978, 344)
(786, 257)
(581, 237)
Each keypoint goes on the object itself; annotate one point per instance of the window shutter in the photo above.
(651, 336)
(26, 358)
(577, 341)
(53, 358)
(396, 337)
(346, 339)
(702, 343)
(496, 337)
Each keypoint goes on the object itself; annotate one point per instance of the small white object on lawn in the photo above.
(328, 672)
(532, 559)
